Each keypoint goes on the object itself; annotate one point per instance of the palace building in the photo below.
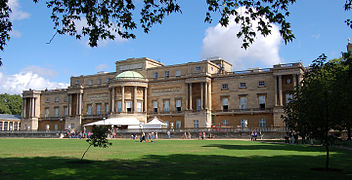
(200, 94)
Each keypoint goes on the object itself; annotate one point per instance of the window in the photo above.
(47, 127)
(11, 126)
(15, 126)
(56, 127)
(65, 110)
(178, 124)
(155, 106)
(89, 107)
(100, 81)
(119, 106)
(225, 86)
(261, 102)
(129, 106)
(98, 109)
(106, 108)
(0, 126)
(195, 124)
(166, 105)
(198, 68)
(243, 85)
(77, 82)
(288, 81)
(178, 105)
(155, 75)
(262, 123)
(65, 99)
(90, 82)
(46, 112)
(243, 102)
(5, 126)
(198, 104)
(56, 99)
(261, 84)
(108, 80)
(139, 106)
(288, 98)
(178, 73)
(72, 125)
(211, 69)
(167, 124)
(225, 122)
(47, 100)
(225, 104)
(244, 123)
(167, 74)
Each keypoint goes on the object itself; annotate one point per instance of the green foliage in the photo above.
(5, 24)
(98, 138)
(10, 104)
(322, 102)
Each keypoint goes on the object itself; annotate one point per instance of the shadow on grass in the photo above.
(176, 166)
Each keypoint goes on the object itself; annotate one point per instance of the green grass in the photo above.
(167, 159)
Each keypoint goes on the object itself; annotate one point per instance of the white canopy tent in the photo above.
(155, 123)
(132, 122)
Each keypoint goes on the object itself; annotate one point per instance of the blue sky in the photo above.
(28, 62)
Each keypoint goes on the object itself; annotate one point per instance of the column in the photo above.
(190, 96)
(80, 104)
(34, 106)
(145, 99)
(30, 108)
(206, 96)
(112, 100)
(8, 125)
(70, 104)
(187, 96)
(77, 104)
(24, 107)
(280, 90)
(275, 87)
(201, 95)
(294, 79)
(2, 127)
(135, 99)
(209, 96)
(123, 98)
(18, 126)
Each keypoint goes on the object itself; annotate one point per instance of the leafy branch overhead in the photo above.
(111, 19)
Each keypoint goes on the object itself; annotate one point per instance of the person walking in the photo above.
(169, 134)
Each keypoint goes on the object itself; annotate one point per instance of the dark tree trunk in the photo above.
(85, 152)
(327, 155)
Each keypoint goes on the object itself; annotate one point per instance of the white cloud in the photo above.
(222, 42)
(316, 36)
(24, 80)
(45, 72)
(17, 14)
(15, 33)
(101, 67)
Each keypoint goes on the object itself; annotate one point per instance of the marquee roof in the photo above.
(115, 121)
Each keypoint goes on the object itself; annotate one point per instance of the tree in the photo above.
(107, 19)
(10, 104)
(319, 103)
(98, 138)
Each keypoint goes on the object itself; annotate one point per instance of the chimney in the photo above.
(349, 47)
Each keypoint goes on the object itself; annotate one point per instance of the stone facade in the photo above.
(202, 94)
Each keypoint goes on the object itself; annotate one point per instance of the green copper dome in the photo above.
(129, 75)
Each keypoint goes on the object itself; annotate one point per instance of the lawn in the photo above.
(167, 159)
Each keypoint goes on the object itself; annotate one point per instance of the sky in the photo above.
(29, 62)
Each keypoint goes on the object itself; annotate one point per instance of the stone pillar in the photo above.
(135, 99)
(201, 95)
(275, 88)
(18, 126)
(24, 107)
(145, 99)
(280, 90)
(187, 95)
(206, 96)
(8, 125)
(190, 96)
(123, 99)
(294, 79)
(209, 96)
(70, 105)
(80, 104)
(112, 100)
(3, 124)
(33, 107)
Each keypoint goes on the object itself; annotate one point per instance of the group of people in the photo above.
(187, 135)
(81, 134)
(254, 135)
(292, 138)
(146, 137)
